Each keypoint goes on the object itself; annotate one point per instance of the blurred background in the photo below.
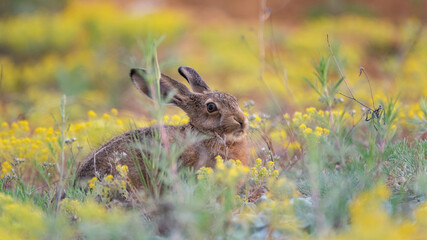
(258, 49)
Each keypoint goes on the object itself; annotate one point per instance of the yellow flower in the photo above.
(4, 125)
(292, 146)
(204, 173)
(176, 120)
(106, 116)
(6, 169)
(286, 116)
(302, 126)
(23, 123)
(258, 162)
(263, 172)
(257, 118)
(70, 207)
(114, 112)
(91, 114)
(308, 130)
(20, 220)
(310, 109)
(318, 132)
(109, 177)
(325, 132)
(92, 182)
(123, 170)
(219, 162)
(166, 118)
(283, 134)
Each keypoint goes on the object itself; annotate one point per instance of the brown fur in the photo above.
(223, 132)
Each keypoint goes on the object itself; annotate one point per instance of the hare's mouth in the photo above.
(238, 135)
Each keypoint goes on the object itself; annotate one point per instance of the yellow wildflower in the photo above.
(325, 132)
(263, 172)
(92, 182)
(258, 162)
(70, 207)
(310, 109)
(219, 162)
(204, 173)
(6, 169)
(123, 170)
(292, 146)
(176, 119)
(318, 132)
(91, 114)
(302, 126)
(420, 114)
(106, 116)
(109, 177)
(308, 130)
(114, 112)
(4, 125)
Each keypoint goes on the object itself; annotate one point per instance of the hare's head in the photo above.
(210, 112)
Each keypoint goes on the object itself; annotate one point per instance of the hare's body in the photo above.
(215, 119)
(123, 147)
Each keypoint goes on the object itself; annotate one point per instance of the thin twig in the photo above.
(275, 50)
(362, 69)
(338, 66)
(1, 76)
(356, 101)
(1, 81)
(264, 15)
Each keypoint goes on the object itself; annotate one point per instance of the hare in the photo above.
(214, 115)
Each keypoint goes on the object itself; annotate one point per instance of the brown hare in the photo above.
(214, 115)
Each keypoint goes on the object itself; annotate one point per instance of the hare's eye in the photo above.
(211, 107)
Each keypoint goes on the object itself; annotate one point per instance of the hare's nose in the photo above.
(241, 121)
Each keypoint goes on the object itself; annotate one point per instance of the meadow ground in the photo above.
(336, 107)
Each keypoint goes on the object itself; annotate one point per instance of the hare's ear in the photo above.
(194, 79)
(167, 85)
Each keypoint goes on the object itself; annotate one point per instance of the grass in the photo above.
(326, 171)
(341, 168)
